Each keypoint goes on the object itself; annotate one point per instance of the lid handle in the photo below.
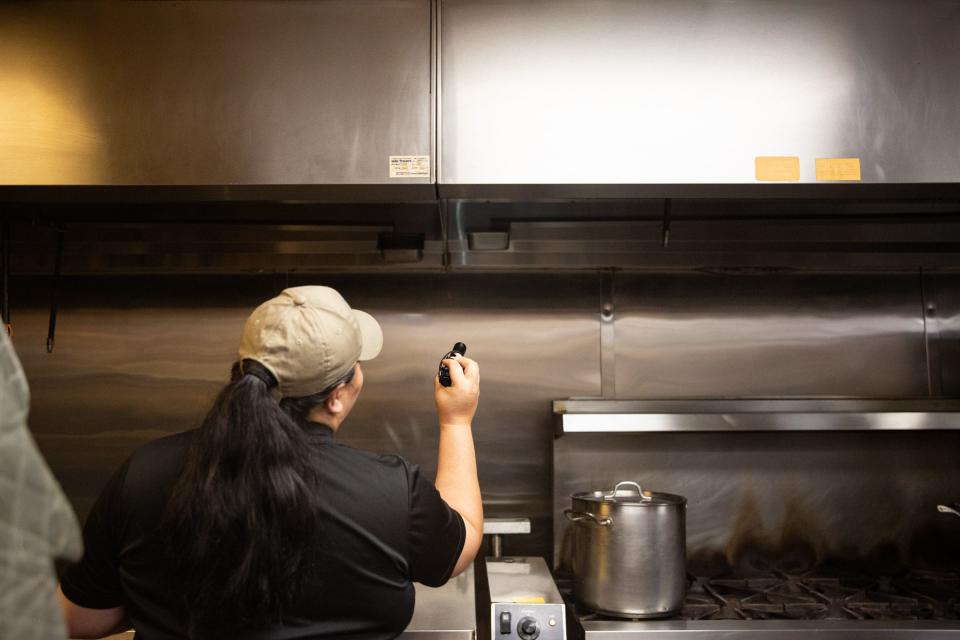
(644, 496)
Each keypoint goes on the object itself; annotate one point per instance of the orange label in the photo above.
(838, 169)
(777, 168)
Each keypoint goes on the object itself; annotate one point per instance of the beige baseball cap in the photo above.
(309, 337)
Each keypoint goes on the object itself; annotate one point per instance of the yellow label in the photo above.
(530, 600)
(409, 166)
(838, 168)
(778, 168)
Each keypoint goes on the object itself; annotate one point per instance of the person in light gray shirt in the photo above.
(37, 523)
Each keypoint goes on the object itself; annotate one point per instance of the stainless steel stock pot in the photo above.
(629, 551)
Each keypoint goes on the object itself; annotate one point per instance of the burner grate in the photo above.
(818, 594)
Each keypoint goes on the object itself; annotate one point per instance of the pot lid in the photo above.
(630, 493)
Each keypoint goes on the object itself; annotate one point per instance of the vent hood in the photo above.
(200, 101)
(699, 98)
(424, 100)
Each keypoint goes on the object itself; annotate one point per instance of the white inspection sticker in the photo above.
(409, 166)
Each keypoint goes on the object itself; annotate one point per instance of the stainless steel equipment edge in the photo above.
(616, 416)
(445, 613)
(771, 629)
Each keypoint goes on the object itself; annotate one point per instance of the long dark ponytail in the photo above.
(241, 519)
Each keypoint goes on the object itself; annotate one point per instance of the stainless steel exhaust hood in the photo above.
(699, 98)
(420, 100)
(196, 101)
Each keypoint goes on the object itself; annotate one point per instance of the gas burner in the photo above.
(938, 590)
(827, 594)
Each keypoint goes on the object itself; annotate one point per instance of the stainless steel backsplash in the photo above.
(138, 357)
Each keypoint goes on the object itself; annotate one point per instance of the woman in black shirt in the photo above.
(259, 524)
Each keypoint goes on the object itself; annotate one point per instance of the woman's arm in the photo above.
(91, 623)
(457, 462)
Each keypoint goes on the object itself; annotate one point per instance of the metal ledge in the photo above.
(505, 526)
(697, 415)
(401, 192)
(772, 629)
(566, 192)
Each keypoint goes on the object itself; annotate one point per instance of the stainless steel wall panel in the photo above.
(942, 297)
(140, 357)
(213, 93)
(757, 499)
(587, 92)
(769, 335)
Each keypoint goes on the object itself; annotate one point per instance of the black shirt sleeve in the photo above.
(94, 582)
(436, 534)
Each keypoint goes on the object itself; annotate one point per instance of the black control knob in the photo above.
(528, 629)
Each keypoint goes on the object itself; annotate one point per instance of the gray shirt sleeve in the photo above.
(37, 523)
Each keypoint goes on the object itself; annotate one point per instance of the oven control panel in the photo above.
(524, 601)
(527, 621)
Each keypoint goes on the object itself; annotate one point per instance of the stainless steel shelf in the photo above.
(505, 526)
(694, 415)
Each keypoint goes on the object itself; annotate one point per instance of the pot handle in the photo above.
(942, 508)
(579, 516)
(646, 497)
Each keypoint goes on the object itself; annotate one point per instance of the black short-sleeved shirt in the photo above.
(383, 527)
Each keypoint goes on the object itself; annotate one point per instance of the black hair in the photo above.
(299, 408)
(241, 520)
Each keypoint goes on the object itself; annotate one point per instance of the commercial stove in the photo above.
(831, 602)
